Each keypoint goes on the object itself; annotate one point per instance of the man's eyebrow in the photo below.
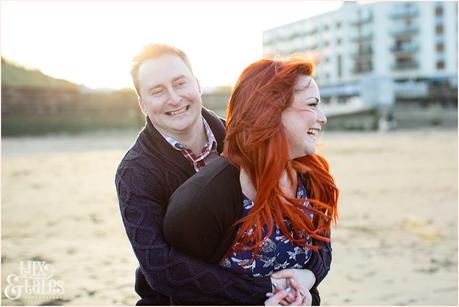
(153, 87)
(178, 78)
(160, 85)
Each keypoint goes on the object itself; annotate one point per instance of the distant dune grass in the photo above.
(70, 124)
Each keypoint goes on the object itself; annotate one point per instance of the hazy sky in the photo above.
(92, 42)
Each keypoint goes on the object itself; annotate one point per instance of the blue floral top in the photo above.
(276, 253)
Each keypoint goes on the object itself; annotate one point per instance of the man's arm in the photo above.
(320, 263)
(165, 270)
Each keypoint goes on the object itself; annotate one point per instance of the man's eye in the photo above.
(157, 92)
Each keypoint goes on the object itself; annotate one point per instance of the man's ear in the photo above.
(141, 105)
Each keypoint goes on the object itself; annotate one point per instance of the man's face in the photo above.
(169, 94)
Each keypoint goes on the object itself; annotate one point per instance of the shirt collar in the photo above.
(211, 141)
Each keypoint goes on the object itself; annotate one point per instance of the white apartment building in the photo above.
(413, 43)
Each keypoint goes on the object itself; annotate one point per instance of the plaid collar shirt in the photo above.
(208, 152)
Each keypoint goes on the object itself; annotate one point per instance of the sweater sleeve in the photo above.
(199, 217)
(170, 273)
(319, 264)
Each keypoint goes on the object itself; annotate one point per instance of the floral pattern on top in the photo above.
(276, 253)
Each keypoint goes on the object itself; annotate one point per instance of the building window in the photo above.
(407, 20)
(439, 29)
(440, 65)
(339, 63)
(403, 63)
(439, 11)
(338, 41)
(440, 47)
(338, 25)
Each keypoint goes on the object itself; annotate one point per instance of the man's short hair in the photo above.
(154, 51)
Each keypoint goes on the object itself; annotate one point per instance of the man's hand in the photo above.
(295, 295)
(279, 298)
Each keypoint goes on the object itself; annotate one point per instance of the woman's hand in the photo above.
(304, 277)
(279, 298)
(304, 294)
(288, 292)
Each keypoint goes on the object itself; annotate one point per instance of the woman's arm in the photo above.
(201, 213)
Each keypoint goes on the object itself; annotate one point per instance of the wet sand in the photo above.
(395, 242)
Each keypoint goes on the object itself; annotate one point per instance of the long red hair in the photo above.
(256, 141)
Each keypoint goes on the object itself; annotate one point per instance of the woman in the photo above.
(268, 202)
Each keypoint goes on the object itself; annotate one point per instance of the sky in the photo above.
(92, 42)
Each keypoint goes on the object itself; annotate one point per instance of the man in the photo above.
(179, 138)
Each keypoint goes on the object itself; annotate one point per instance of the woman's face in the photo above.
(303, 119)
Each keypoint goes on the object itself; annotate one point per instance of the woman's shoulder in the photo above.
(217, 181)
(217, 172)
(202, 209)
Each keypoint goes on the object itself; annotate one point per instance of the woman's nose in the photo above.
(321, 118)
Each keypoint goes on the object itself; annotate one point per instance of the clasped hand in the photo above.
(291, 288)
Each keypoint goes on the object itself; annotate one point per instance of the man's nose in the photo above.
(174, 97)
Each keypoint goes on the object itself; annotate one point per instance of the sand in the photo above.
(395, 242)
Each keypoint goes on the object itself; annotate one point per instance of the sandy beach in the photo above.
(395, 243)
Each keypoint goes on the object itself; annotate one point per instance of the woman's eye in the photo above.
(313, 104)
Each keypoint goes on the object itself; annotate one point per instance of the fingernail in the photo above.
(274, 284)
(269, 294)
(287, 289)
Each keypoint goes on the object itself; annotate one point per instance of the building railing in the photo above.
(362, 37)
(400, 12)
(406, 66)
(405, 48)
(361, 20)
(411, 30)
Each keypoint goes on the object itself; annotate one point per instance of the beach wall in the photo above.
(32, 110)
(38, 111)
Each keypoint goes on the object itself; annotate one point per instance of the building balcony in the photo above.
(362, 70)
(362, 37)
(401, 12)
(292, 35)
(406, 66)
(312, 31)
(365, 51)
(405, 48)
(362, 65)
(362, 20)
(412, 30)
